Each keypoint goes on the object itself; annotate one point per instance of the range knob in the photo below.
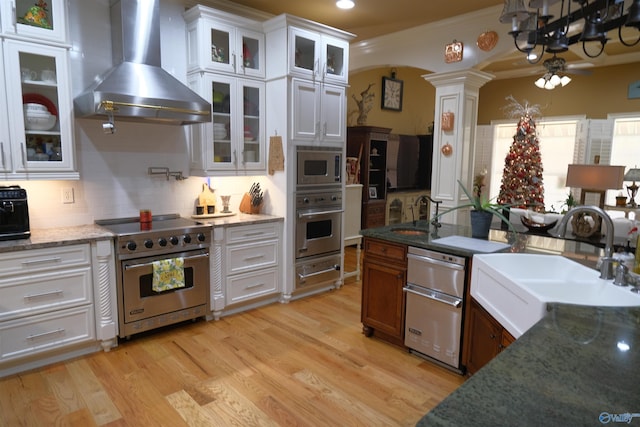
(162, 241)
(305, 200)
(186, 238)
(334, 198)
(201, 237)
(173, 240)
(131, 245)
(148, 243)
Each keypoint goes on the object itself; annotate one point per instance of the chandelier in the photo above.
(535, 30)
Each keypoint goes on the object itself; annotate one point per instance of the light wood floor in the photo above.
(305, 363)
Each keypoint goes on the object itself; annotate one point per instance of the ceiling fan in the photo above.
(555, 65)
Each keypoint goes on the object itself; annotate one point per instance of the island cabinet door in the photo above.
(485, 337)
(383, 301)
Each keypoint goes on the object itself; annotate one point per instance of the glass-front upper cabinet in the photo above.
(318, 56)
(223, 42)
(234, 140)
(39, 110)
(5, 140)
(42, 19)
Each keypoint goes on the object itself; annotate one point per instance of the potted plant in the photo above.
(482, 209)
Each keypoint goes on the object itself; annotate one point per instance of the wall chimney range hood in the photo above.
(138, 89)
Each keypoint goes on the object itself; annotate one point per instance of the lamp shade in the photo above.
(632, 175)
(595, 177)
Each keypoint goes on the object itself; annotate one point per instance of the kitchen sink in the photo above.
(409, 231)
(515, 288)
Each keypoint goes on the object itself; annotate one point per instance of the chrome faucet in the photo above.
(426, 199)
(606, 267)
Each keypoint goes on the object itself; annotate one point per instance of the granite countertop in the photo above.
(239, 219)
(61, 236)
(578, 366)
(583, 252)
(57, 236)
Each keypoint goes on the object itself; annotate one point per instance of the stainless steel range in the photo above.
(147, 256)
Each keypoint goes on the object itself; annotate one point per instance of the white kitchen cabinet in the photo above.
(5, 139)
(246, 266)
(27, 20)
(234, 142)
(221, 42)
(47, 299)
(318, 113)
(318, 56)
(38, 153)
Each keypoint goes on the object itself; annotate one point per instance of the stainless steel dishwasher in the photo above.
(435, 292)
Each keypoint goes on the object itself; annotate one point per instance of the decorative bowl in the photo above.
(38, 121)
(32, 106)
(537, 227)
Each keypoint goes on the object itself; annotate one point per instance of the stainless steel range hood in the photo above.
(138, 89)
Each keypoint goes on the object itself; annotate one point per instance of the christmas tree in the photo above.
(522, 175)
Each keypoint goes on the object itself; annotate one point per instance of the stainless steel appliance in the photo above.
(318, 166)
(137, 88)
(14, 213)
(318, 236)
(435, 294)
(137, 247)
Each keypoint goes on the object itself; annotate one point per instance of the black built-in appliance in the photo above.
(14, 213)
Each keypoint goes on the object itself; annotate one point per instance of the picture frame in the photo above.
(392, 94)
(373, 193)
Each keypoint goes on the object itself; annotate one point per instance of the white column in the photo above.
(456, 93)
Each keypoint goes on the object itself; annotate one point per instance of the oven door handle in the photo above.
(315, 273)
(308, 214)
(148, 264)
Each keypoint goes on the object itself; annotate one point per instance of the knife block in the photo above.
(247, 207)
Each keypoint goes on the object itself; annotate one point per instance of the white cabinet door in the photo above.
(38, 74)
(318, 112)
(5, 140)
(305, 110)
(318, 57)
(234, 141)
(25, 19)
(332, 114)
(219, 42)
(335, 60)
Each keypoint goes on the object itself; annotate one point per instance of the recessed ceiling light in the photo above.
(345, 4)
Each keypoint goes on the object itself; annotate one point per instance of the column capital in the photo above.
(471, 78)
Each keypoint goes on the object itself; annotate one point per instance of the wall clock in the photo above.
(391, 94)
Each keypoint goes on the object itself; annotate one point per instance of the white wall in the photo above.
(113, 168)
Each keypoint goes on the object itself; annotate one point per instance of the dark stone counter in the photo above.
(578, 366)
(584, 252)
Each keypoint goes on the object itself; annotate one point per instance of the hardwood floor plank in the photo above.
(92, 392)
(305, 363)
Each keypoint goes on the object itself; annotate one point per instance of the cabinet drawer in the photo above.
(251, 285)
(246, 233)
(241, 258)
(38, 293)
(387, 250)
(35, 260)
(25, 337)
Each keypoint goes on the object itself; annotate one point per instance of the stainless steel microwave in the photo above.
(317, 166)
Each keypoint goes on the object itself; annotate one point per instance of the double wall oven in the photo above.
(318, 230)
(183, 246)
